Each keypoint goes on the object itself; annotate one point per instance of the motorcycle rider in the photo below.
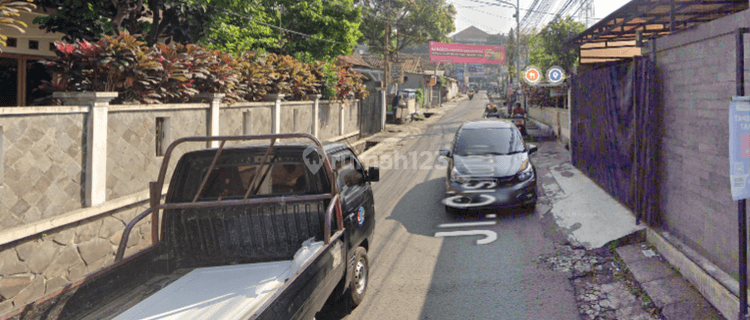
(519, 112)
(490, 108)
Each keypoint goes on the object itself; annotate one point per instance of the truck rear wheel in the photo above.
(360, 277)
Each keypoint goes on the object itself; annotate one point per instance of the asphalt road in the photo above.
(416, 275)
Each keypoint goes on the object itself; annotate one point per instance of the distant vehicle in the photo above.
(489, 168)
(251, 232)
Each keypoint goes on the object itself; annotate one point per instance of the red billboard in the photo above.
(466, 53)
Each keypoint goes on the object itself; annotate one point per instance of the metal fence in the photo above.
(371, 115)
(613, 133)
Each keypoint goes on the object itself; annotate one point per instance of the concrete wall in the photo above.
(49, 238)
(696, 80)
(556, 118)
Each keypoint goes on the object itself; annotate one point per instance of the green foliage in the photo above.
(420, 97)
(440, 81)
(183, 21)
(336, 21)
(328, 74)
(9, 11)
(178, 73)
(414, 20)
(550, 46)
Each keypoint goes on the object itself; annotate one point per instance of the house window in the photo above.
(52, 46)
(9, 82)
(11, 42)
(36, 75)
(163, 133)
(33, 45)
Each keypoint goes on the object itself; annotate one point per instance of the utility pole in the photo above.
(387, 64)
(518, 44)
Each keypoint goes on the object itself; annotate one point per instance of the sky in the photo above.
(494, 19)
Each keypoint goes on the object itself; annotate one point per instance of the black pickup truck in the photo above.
(266, 231)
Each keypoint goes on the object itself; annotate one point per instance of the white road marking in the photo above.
(467, 224)
(491, 216)
(490, 236)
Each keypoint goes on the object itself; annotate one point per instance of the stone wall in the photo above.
(131, 144)
(351, 116)
(41, 157)
(328, 114)
(48, 239)
(297, 117)
(258, 116)
(44, 264)
(695, 76)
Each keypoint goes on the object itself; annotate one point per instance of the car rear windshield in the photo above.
(498, 141)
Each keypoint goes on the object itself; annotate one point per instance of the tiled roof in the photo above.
(412, 63)
(354, 59)
(471, 33)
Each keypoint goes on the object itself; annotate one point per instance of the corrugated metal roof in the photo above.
(651, 18)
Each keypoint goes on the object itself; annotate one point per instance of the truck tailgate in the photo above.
(225, 292)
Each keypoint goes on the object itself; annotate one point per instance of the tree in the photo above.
(313, 29)
(411, 22)
(9, 11)
(550, 46)
(183, 21)
(511, 51)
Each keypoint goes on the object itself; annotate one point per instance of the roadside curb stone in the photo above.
(676, 298)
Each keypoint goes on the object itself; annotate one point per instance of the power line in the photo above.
(487, 13)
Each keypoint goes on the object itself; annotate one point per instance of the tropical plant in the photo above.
(173, 73)
(9, 11)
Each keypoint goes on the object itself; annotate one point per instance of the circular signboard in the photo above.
(555, 75)
(532, 75)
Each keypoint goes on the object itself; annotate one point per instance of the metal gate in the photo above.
(613, 133)
(370, 114)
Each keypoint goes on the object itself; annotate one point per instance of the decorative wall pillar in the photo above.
(384, 107)
(315, 111)
(342, 109)
(276, 112)
(214, 100)
(95, 171)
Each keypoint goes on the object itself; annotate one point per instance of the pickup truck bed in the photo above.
(223, 292)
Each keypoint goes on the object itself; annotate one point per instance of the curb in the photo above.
(719, 288)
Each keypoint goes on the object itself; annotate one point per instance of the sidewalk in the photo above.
(594, 220)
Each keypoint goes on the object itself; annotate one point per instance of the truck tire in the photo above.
(360, 277)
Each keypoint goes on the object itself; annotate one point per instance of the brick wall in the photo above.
(696, 79)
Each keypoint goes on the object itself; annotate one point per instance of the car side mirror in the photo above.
(445, 152)
(373, 174)
(533, 148)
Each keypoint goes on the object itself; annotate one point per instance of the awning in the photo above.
(615, 36)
